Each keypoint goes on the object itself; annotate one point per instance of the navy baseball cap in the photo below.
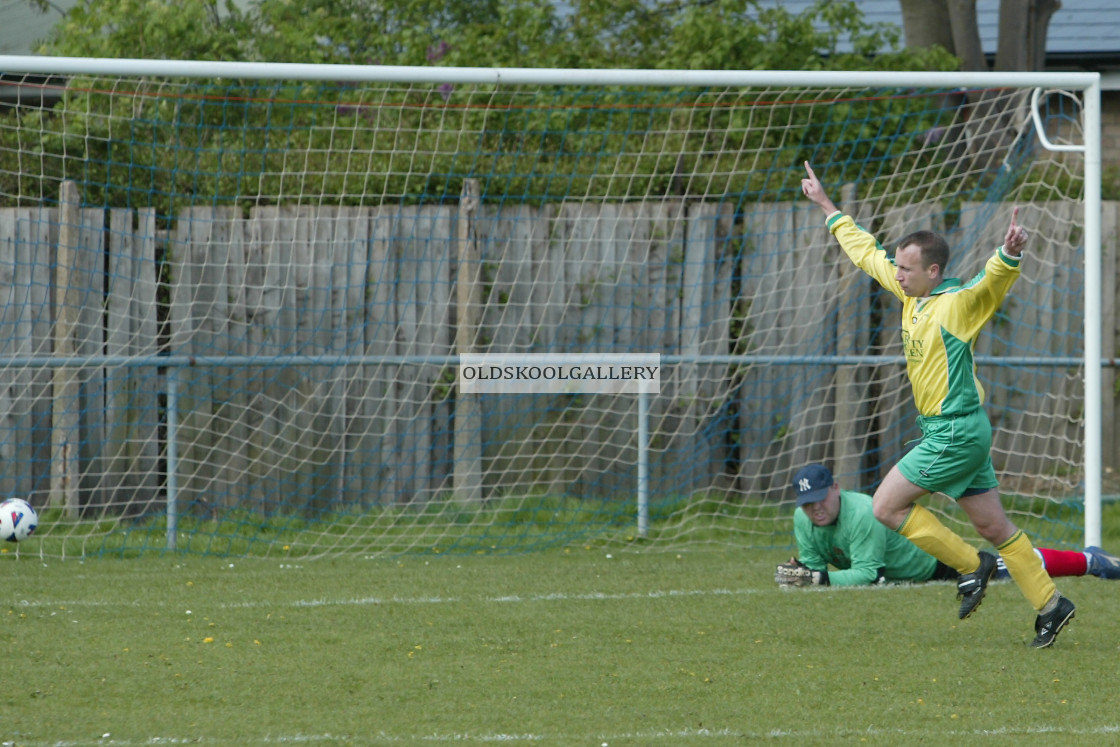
(811, 483)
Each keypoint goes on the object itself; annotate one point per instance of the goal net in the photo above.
(235, 298)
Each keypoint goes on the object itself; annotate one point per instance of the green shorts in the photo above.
(954, 456)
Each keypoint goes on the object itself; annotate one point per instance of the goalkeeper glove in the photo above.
(796, 573)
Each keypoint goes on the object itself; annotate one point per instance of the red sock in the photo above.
(1063, 562)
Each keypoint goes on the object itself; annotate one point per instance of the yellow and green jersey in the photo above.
(859, 547)
(938, 333)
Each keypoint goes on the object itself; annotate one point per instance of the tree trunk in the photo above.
(925, 23)
(948, 23)
(987, 123)
(1023, 27)
(966, 35)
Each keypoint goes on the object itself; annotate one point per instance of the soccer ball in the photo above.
(17, 520)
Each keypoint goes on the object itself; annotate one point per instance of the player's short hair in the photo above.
(934, 247)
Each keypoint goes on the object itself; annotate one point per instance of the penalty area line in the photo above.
(591, 596)
(655, 736)
(524, 599)
(407, 601)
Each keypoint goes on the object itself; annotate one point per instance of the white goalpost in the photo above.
(238, 293)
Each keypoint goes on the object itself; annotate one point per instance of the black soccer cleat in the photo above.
(972, 586)
(1047, 627)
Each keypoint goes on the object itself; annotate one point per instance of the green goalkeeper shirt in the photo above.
(859, 546)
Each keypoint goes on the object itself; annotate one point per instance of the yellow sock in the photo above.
(1027, 571)
(923, 529)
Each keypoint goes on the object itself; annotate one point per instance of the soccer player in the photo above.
(941, 319)
(836, 528)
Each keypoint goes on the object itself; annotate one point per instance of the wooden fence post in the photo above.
(468, 413)
(66, 402)
(850, 418)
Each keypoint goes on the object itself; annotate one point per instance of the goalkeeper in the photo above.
(841, 543)
(941, 319)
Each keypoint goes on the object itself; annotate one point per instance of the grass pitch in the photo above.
(579, 647)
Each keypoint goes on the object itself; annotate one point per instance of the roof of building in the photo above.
(1082, 33)
(21, 25)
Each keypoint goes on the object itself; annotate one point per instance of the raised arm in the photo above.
(1014, 240)
(811, 188)
(860, 246)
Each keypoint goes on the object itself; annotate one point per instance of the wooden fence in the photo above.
(417, 284)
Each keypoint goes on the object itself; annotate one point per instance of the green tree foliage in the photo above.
(151, 29)
(166, 143)
(656, 34)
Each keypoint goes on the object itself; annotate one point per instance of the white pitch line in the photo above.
(516, 598)
(669, 736)
(592, 596)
